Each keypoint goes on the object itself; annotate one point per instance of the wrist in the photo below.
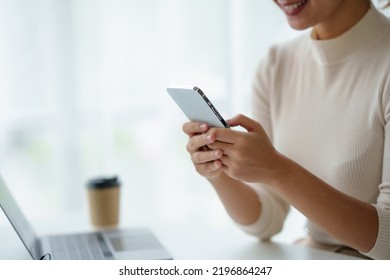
(282, 171)
(220, 178)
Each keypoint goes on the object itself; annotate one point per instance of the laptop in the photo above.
(124, 244)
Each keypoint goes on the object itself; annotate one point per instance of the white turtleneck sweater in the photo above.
(326, 105)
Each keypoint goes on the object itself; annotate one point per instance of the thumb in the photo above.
(249, 124)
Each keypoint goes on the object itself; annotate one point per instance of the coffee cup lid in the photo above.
(103, 182)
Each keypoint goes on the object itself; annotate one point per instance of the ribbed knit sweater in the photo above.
(326, 105)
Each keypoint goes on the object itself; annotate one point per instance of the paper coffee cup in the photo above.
(103, 196)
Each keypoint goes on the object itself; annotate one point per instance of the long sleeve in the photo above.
(381, 249)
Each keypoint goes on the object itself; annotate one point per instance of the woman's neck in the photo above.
(340, 22)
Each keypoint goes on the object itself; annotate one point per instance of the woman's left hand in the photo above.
(247, 156)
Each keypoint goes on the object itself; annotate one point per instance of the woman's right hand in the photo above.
(206, 161)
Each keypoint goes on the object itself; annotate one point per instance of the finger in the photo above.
(203, 157)
(226, 161)
(192, 128)
(245, 122)
(226, 148)
(208, 167)
(224, 135)
(196, 142)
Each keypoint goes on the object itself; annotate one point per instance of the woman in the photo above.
(320, 137)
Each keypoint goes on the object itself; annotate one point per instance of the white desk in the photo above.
(186, 240)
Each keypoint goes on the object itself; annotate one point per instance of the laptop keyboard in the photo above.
(89, 246)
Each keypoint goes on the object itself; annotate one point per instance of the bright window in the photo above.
(82, 90)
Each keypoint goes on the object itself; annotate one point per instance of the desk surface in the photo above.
(185, 240)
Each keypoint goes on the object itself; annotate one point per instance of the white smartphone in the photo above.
(196, 106)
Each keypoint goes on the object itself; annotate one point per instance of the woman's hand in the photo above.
(247, 156)
(206, 161)
(240, 200)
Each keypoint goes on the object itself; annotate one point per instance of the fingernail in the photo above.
(203, 126)
(217, 154)
(209, 138)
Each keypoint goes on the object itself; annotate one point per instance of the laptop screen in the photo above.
(18, 221)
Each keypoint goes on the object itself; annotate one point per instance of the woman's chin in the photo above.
(298, 25)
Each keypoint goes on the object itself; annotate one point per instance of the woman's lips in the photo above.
(292, 8)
